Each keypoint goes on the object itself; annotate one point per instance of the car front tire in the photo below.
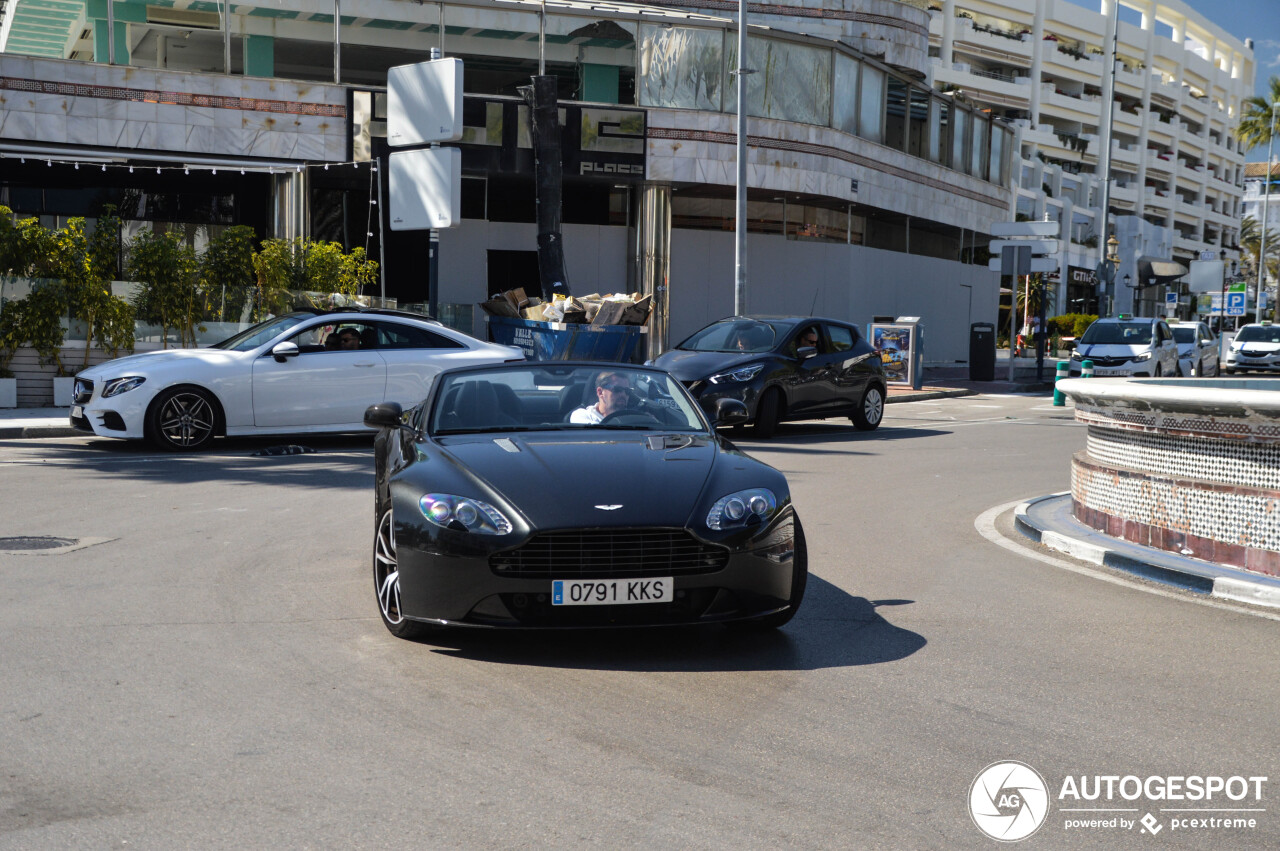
(799, 579)
(870, 410)
(386, 581)
(183, 419)
(768, 411)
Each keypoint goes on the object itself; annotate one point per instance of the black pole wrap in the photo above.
(544, 128)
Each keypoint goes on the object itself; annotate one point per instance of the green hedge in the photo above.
(1070, 324)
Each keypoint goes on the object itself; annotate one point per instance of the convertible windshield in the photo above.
(561, 396)
(1118, 334)
(251, 338)
(1259, 334)
(736, 335)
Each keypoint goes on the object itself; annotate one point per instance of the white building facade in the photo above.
(1176, 168)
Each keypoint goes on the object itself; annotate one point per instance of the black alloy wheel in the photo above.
(768, 411)
(386, 581)
(182, 418)
(870, 410)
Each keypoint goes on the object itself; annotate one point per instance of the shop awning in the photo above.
(1155, 270)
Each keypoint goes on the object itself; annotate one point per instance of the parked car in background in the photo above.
(1256, 347)
(1197, 348)
(302, 373)
(495, 506)
(782, 368)
(1125, 345)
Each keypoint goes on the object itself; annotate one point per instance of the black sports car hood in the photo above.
(692, 366)
(596, 477)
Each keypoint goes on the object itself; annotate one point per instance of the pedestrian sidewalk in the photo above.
(36, 423)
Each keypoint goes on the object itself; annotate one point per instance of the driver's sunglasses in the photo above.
(615, 388)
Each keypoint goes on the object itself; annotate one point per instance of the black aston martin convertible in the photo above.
(562, 494)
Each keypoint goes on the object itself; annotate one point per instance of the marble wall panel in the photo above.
(82, 131)
(11, 101)
(17, 125)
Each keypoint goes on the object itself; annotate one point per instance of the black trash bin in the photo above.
(982, 351)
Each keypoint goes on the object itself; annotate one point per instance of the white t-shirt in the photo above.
(589, 415)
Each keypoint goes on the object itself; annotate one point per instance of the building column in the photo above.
(948, 33)
(652, 225)
(290, 208)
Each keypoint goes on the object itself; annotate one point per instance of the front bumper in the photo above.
(464, 589)
(1120, 370)
(1240, 363)
(120, 416)
(708, 394)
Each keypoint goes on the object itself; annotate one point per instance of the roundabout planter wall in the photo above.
(1186, 465)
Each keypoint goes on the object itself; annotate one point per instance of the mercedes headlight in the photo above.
(741, 508)
(116, 386)
(745, 373)
(464, 515)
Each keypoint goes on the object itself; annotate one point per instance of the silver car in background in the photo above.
(1197, 348)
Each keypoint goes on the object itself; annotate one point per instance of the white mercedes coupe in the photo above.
(309, 372)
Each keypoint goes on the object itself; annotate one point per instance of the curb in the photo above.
(926, 395)
(1207, 580)
(37, 432)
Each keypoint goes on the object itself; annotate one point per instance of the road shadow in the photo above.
(820, 438)
(833, 629)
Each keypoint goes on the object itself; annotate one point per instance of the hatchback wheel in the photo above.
(386, 581)
(870, 411)
(768, 411)
(183, 418)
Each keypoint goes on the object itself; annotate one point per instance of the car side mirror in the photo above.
(806, 352)
(384, 415)
(283, 351)
(730, 412)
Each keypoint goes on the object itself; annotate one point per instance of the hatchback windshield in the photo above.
(1259, 334)
(263, 332)
(1118, 334)
(736, 335)
(553, 397)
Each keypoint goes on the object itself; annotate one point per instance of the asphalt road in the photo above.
(214, 674)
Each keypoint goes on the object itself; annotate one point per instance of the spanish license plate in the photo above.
(1103, 373)
(76, 412)
(611, 592)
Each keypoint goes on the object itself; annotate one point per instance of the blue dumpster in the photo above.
(561, 341)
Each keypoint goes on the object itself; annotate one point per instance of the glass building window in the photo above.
(681, 67)
(959, 138)
(845, 102)
(978, 153)
(918, 123)
(792, 82)
(895, 113)
(871, 104)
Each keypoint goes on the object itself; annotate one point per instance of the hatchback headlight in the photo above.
(1077, 356)
(1142, 357)
(463, 514)
(738, 509)
(745, 373)
(116, 386)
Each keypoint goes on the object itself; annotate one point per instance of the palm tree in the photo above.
(1255, 118)
(1251, 242)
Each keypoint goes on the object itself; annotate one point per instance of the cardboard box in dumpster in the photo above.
(593, 309)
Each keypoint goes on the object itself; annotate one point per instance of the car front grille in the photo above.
(1251, 353)
(1107, 361)
(83, 391)
(609, 553)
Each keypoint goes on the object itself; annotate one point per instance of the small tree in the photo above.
(226, 270)
(167, 295)
(279, 267)
(87, 264)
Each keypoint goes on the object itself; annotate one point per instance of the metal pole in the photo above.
(542, 38)
(382, 235)
(1104, 159)
(740, 217)
(441, 29)
(111, 32)
(337, 41)
(1266, 197)
(226, 36)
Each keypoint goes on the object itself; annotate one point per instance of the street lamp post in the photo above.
(1266, 197)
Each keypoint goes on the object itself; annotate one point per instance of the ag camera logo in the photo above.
(1008, 801)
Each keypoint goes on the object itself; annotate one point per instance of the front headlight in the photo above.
(463, 515)
(741, 508)
(1077, 356)
(1142, 357)
(745, 373)
(116, 386)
